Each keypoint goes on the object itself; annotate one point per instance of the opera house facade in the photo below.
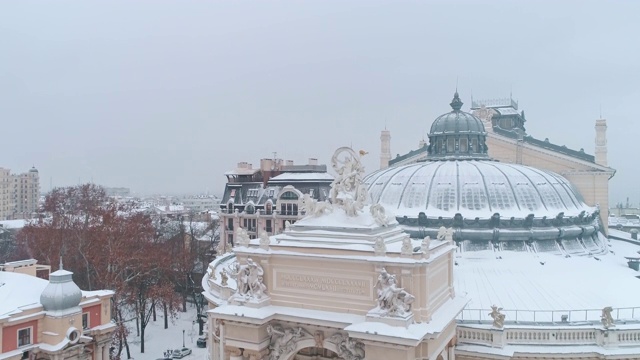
(454, 255)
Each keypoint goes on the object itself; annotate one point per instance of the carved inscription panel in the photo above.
(323, 283)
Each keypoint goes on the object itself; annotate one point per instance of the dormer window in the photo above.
(250, 209)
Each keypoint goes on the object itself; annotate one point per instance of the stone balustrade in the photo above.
(547, 336)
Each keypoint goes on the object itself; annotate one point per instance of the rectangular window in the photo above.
(451, 145)
(24, 337)
(463, 145)
(85, 321)
(268, 227)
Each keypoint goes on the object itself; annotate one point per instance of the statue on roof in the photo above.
(392, 300)
(606, 318)
(312, 207)
(497, 316)
(347, 189)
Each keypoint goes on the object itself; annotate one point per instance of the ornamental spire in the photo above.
(456, 103)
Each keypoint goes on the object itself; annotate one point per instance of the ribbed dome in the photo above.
(476, 188)
(61, 293)
(457, 121)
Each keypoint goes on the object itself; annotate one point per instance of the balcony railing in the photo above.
(558, 317)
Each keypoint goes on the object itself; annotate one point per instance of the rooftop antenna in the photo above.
(456, 84)
(600, 110)
(60, 268)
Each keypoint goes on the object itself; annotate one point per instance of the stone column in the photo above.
(105, 351)
(98, 352)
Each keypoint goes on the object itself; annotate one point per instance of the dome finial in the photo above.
(456, 103)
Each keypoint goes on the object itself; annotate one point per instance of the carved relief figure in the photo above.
(348, 348)
(283, 341)
(392, 300)
(606, 317)
(497, 316)
(318, 337)
(249, 280)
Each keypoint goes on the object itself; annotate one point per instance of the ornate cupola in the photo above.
(62, 294)
(457, 135)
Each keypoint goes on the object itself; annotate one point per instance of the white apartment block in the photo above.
(19, 194)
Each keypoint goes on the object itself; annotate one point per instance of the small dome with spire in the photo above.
(457, 134)
(61, 293)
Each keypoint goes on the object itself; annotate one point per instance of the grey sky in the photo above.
(165, 96)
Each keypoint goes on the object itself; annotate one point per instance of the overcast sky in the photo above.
(165, 96)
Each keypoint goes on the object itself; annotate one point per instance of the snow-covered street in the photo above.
(158, 340)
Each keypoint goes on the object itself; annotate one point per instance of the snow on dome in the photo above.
(61, 293)
(474, 189)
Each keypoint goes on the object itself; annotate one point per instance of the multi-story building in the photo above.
(6, 204)
(19, 194)
(267, 198)
(51, 319)
(200, 203)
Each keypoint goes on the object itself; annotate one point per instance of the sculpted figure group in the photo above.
(347, 190)
(249, 280)
(392, 300)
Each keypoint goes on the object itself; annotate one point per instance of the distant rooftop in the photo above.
(494, 103)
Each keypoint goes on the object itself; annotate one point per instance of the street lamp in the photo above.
(182, 338)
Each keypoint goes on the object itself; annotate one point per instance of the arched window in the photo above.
(230, 207)
(268, 207)
(289, 195)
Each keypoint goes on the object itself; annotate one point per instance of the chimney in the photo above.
(249, 166)
(422, 144)
(313, 161)
(289, 162)
(242, 165)
(266, 164)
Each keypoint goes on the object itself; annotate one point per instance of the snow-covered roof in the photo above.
(13, 224)
(18, 291)
(242, 172)
(312, 176)
(529, 282)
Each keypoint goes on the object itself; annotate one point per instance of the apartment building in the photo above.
(19, 194)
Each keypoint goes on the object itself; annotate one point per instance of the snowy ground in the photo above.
(158, 339)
